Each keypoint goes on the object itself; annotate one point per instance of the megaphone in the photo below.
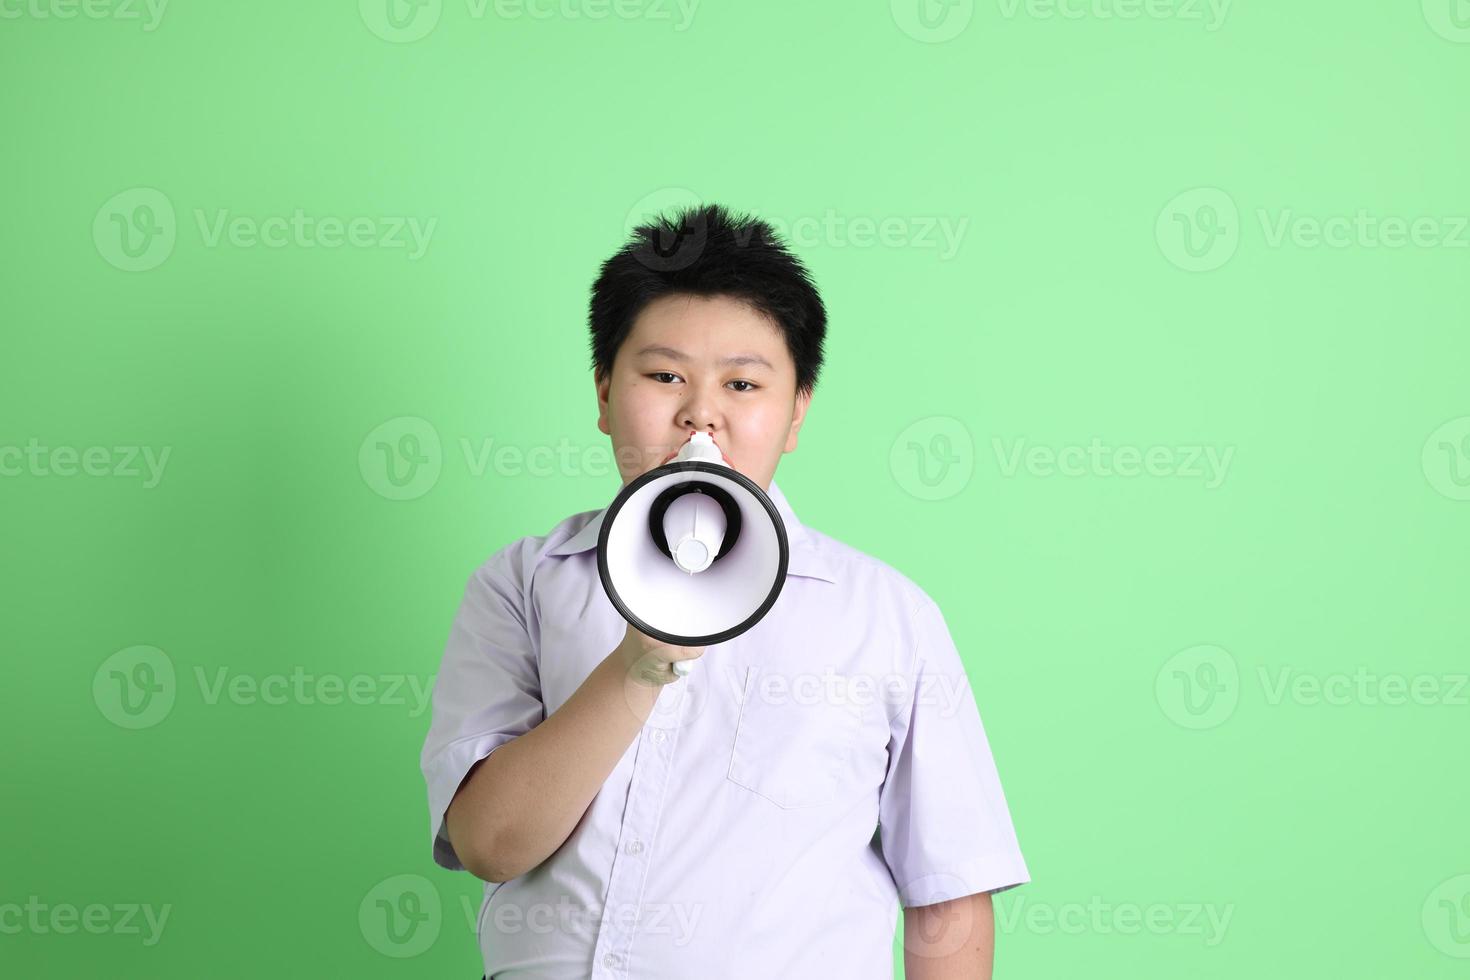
(692, 552)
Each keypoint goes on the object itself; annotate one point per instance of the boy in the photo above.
(761, 816)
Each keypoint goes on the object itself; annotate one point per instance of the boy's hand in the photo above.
(651, 662)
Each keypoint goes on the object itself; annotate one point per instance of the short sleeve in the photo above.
(487, 692)
(943, 823)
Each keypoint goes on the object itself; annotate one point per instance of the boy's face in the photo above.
(653, 399)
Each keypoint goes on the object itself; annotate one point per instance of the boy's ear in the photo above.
(798, 415)
(603, 384)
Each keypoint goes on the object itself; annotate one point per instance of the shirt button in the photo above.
(611, 960)
(659, 736)
(635, 847)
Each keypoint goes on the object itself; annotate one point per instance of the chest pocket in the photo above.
(795, 746)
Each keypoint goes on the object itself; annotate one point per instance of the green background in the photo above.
(1126, 636)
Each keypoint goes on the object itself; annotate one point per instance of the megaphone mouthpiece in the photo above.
(701, 446)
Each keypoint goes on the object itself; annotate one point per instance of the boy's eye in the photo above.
(659, 375)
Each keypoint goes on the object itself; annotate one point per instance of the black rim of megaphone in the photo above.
(714, 469)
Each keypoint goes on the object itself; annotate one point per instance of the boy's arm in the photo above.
(519, 804)
(952, 940)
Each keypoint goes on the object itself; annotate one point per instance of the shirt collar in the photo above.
(803, 556)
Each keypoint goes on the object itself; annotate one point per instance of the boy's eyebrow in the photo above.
(734, 360)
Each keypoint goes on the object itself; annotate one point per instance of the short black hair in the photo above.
(708, 251)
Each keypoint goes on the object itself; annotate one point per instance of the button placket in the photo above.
(652, 764)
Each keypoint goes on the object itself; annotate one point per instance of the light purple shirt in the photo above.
(782, 800)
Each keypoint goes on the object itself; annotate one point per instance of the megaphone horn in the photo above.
(693, 552)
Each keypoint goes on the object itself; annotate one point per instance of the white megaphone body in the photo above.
(692, 552)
